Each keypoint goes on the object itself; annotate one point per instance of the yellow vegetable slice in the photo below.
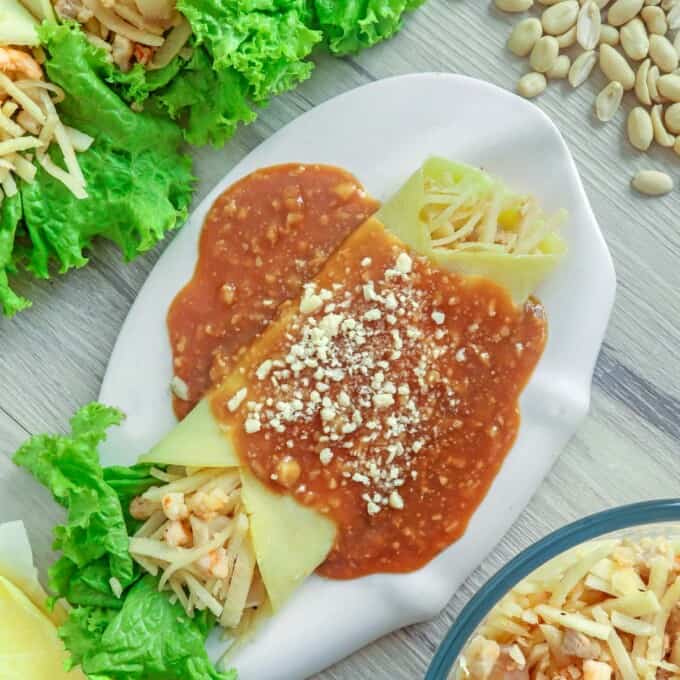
(16, 565)
(40, 9)
(468, 222)
(198, 441)
(290, 541)
(17, 25)
(519, 274)
(401, 215)
(30, 648)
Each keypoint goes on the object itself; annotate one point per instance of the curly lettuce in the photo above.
(242, 54)
(10, 217)
(148, 638)
(210, 104)
(69, 467)
(137, 84)
(133, 200)
(267, 42)
(120, 627)
(139, 184)
(349, 27)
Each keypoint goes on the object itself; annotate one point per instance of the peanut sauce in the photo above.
(386, 397)
(262, 239)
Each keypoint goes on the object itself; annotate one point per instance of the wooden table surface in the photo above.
(53, 356)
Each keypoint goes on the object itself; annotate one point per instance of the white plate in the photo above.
(382, 132)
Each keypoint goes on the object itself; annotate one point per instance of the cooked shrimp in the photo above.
(208, 505)
(174, 507)
(177, 534)
(482, 657)
(140, 508)
(18, 62)
(577, 644)
(507, 668)
(215, 563)
(143, 54)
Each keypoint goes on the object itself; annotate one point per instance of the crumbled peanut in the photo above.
(228, 293)
(288, 470)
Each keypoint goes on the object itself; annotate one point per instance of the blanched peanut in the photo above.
(560, 69)
(640, 129)
(663, 53)
(672, 118)
(524, 36)
(560, 17)
(652, 182)
(514, 5)
(544, 54)
(615, 66)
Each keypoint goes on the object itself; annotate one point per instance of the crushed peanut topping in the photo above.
(262, 239)
(384, 427)
(385, 378)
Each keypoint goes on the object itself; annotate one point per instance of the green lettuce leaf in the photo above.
(133, 200)
(91, 106)
(10, 216)
(209, 103)
(83, 631)
(140, 635)
(139, 185)
(87, 586)
(129, 482)
(128, 645)
(69, 467)
(137, 84)
(351, 26)
(265, 41)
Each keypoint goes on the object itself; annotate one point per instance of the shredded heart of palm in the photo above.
(196, 536)
(605, 609)
(149, 32)
(30, 124)
(467, 214)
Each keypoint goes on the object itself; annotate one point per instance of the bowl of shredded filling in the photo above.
(598, 599)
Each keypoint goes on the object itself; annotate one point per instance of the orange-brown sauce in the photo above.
(397, 429)
(262, 239)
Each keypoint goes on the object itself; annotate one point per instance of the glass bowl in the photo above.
(658, 517)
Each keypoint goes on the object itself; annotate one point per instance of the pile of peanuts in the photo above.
(629, 39)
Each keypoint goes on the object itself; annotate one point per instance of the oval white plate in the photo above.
(382, 132)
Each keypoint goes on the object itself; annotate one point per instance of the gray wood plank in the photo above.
(53, 356)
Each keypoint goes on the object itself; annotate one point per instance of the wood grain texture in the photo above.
(52, 357)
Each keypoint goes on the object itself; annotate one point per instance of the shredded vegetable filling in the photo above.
(196, 536)
(148, 32)
(472, 211)
(605, 609)
(29, 124)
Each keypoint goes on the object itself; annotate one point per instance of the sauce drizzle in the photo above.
(386, 398)
(262, 239)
